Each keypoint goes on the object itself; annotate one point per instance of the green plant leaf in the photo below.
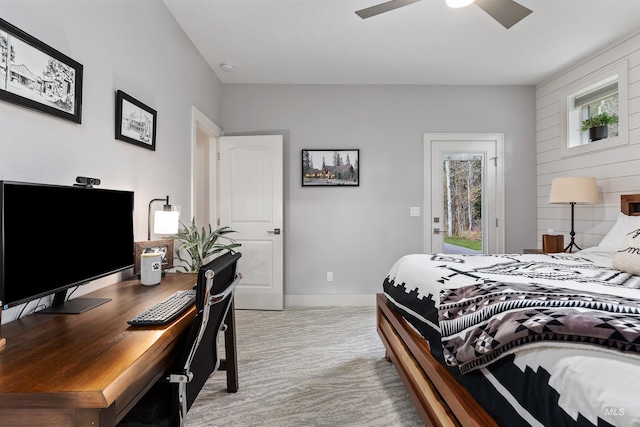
(197, 246)
(603, 119)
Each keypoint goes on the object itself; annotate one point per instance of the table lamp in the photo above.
(572, 190)
(165, 221)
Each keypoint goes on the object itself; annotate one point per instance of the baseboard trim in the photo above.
(329, 300)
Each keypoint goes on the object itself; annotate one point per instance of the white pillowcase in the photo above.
(614, 239)
(627, 258)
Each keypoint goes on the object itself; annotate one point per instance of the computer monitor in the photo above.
(53, 238)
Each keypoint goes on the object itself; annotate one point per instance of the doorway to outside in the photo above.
(462, 191)
(464, 188)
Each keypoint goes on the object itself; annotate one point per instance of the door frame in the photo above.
(201, 122)
(454, 138)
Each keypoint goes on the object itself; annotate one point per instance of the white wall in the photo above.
(135, 46)
(357, 233)
(617, 170)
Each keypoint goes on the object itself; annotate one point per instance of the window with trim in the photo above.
(603, 92)
(602, 99)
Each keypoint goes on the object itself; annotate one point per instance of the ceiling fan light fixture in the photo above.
(506, 12)
(459, 3)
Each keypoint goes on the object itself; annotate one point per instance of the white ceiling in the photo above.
(325, 42)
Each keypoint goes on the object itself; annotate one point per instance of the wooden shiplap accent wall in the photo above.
(617, 170)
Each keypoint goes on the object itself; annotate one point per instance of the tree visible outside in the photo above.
(463, 202)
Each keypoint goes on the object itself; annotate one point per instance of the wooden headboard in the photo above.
(630, 204)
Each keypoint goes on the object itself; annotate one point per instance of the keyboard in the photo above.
(166, 311)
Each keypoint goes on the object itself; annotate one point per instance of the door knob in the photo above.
(274, 231)
(438, 231)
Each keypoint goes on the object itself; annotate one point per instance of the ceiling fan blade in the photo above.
(506, 12)
(383, 7)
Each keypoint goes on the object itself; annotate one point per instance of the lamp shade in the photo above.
(166, 222)
(574, 189)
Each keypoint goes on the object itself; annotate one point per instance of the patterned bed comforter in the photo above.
(481, 323)
(559, 381)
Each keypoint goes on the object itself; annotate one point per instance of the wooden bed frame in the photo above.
(439, 398)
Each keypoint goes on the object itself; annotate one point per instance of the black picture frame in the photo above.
(135, 121)
(319, 168)
(36, 76)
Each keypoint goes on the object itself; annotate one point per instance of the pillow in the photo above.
(627, 258)
(615, 237)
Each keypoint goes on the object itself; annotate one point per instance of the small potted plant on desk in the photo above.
(200, 245)
(598, 125)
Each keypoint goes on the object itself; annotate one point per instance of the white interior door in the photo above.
(486, 151)
(251, 203)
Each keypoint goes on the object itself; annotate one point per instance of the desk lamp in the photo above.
(572, 190)
(165, 221)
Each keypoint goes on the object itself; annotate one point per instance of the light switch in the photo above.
(414, 211)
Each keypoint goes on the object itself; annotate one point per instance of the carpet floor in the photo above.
(307, 367)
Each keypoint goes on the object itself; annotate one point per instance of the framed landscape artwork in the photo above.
(331, 168)
(36, 76)
(135, 122)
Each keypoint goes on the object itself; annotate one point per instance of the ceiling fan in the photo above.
(506, 12)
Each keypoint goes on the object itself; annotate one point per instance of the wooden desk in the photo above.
(91, 368)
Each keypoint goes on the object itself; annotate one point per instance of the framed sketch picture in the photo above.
(135, 122)
(164, 247)
(331, 168)
(36, 76)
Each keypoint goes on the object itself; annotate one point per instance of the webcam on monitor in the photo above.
(86, 182)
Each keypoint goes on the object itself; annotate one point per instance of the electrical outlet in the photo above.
(329, 276)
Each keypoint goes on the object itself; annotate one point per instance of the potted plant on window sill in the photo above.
(598, 125)
(197, 246)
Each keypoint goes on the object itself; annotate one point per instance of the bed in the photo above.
(541, 372)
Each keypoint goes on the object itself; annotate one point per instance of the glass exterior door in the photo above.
(462, 201)
(463, 193)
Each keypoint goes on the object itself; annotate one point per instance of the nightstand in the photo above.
(551, 244)
(533, 251)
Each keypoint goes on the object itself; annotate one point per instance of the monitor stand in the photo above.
(72, 306)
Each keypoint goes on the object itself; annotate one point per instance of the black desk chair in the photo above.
(179, 387)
